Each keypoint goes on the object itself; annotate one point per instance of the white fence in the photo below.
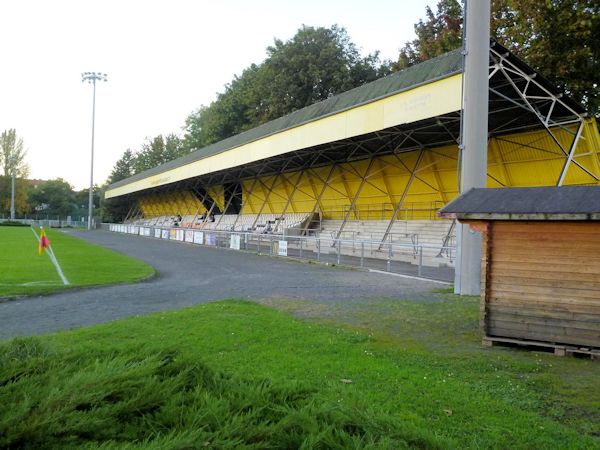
(428, 261)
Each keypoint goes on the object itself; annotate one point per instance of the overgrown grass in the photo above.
(24, 272)
(241, 375)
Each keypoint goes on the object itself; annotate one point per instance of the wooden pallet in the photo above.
(559, 349)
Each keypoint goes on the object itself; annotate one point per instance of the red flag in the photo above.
(44, 242)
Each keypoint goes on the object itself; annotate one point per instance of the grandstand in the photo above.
(373, 164)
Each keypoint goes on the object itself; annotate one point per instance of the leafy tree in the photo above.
(123, 167)
(12, 154)
(440, 33)
(22, 187)
(54, 197)
(156, 151)
(314, 65)
(558, 38)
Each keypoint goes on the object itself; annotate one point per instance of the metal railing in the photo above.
(381, 211)
(408, 258)
(51, 223)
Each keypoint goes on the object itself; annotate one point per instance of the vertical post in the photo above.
(339, 250)
(362, 254)
(473, 147)
(301, 240)
(12, 190)
(318, 249)
(389, 260)
(420, 272)
(92, 77)
(91, 195)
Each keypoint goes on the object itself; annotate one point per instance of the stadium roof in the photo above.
(419, 105)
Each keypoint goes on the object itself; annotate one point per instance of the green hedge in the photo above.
(10, 223)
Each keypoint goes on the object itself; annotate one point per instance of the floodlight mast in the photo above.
(92, 77)
(13, 163)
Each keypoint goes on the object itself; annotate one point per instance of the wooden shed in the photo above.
(540, 264)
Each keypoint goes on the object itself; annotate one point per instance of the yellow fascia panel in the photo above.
(429, 100)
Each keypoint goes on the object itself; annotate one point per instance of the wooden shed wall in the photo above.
(542, 281)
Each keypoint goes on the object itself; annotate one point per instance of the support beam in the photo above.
(267, 193)
(356, 195)
(565, 169)
(398, 206)
(318, 197)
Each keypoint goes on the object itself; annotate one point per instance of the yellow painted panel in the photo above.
(418, 104)
(526, 159)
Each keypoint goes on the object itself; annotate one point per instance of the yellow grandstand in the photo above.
(378, 154)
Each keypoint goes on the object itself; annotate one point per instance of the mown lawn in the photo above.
(240, 375)
(24, 272)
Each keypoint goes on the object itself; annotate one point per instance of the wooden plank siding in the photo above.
(541, 281)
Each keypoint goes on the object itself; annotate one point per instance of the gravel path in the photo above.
(188, 275)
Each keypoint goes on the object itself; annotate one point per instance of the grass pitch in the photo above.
(237, 375)
(24, 272)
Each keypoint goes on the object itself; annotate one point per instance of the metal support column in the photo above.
(474, 137)
(402, 198)
(565, 169)
(318, 198)
(356, 195)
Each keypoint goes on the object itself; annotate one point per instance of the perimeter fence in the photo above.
(413, 259)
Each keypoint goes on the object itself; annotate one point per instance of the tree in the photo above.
(22, 187)
(438, 34)
(156, 151)
(54, 197)
(558, 38)
(12, 154)
(123, 168)
(314, 65)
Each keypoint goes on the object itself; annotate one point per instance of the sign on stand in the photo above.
(235, 242)
(198, 237)
(282, 248)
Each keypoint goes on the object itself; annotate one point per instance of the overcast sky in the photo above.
(163, 59)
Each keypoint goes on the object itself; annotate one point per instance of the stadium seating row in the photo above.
(263, 223)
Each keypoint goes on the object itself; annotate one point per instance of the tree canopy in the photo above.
(314, 65)
(558, 38)
(12, 154)
(54, 197)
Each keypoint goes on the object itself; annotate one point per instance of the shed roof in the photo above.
(536, 203)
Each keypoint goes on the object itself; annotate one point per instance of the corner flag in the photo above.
(44, 242)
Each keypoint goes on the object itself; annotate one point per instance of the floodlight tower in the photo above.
(92, 77)
(13, 163)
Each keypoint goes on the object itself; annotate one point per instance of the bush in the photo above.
(12, 223)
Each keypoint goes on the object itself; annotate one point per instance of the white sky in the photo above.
(163, 59)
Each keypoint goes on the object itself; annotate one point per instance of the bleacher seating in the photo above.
(266, 223)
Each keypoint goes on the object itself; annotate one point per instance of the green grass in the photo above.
(24, 272)
(241, 375)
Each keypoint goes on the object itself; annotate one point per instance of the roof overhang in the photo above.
(413, 109)
(426, 101)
